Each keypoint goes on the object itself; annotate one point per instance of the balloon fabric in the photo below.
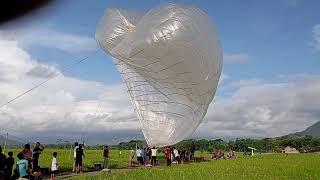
(170, 59)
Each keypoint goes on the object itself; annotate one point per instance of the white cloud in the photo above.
(261, 108)
(316, 37)
(69, 107)
(293, 3)
(50, 38)
(242, 57)
(64, 103)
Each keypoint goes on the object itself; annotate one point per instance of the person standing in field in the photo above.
(168, 156)
(139, 156)
(145, 160)
(131, 156)
(154, 156)
(192, 150)
(76, 146)
(36, 154)
(54, 166)
(2, 164)
(183, 155)
(105, 156)
(149, 155)
(79, 155)
(22, 166)
(9, 165)
(176, 155)
(27, 154)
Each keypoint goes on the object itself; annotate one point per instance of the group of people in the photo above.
(145, 156)
(173, 154)
(148, 156)
(78, 155)
(27, 164)
(217, 154)
(28, 160)
(6, 165)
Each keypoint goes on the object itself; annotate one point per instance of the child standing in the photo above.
(22, 166)
(9, 165)
(54, 165)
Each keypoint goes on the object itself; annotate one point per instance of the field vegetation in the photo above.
(270, 166)
(260, 166)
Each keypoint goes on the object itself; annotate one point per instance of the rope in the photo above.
(45, 81)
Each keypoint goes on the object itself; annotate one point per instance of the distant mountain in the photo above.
(313, 130)
(9, 141)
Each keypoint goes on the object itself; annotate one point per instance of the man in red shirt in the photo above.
(168, 156)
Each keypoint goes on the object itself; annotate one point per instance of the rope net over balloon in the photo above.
(170, 60)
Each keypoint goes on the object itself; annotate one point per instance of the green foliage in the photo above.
(304, 144)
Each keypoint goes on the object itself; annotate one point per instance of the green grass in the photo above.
(276, 166)
(65, 158)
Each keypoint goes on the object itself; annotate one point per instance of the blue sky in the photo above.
(275, 35)
(270, 84)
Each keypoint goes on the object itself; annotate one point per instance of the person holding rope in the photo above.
(36, 154)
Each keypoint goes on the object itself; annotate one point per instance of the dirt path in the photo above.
(68, 175)
(93, 173)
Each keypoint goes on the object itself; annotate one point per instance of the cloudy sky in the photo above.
(270, 84)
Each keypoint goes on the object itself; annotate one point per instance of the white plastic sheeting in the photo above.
(170, 60)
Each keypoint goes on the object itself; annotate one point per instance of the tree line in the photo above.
(277, 144)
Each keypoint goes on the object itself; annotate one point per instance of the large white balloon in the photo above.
(170, 60)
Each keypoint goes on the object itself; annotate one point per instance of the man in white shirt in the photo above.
(76, 146)
(139, 155)
(154, 156)
(176, 155)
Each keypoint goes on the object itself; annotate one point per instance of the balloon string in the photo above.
(45, 81)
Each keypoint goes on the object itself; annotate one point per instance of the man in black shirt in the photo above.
(79, 155)
(35, 160)
(2, 164)
(105, 156)
(9, 165)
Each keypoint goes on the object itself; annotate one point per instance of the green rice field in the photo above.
(275, 166)
(265, 166)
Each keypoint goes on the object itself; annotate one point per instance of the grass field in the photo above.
(274, 166)
(65, 158)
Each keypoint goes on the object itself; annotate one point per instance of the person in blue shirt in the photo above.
(22, 166)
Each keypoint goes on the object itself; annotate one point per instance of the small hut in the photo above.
(252, 149)
(289, 150)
